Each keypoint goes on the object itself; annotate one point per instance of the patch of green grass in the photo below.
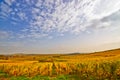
(19, 78)
(3, 74)
(40, 78)
(62, 77)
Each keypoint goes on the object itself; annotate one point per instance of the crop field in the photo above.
(94, 66)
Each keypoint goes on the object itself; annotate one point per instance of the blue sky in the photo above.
(59, 26)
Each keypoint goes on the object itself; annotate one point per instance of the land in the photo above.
(103, 65)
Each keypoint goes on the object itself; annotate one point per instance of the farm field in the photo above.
(94, 66)
(59, 39)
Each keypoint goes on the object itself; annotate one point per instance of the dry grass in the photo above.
(99, 65)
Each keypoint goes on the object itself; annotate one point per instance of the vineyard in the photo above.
(94, 66)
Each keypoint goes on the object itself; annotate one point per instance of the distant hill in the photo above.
(115, 51)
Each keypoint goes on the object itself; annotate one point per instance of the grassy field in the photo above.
(94, 66)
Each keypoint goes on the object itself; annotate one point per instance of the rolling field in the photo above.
(94, 66)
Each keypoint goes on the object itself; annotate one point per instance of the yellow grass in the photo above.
(56, 64)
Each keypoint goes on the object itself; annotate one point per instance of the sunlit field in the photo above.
(94, 66)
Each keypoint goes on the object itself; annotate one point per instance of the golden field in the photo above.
(94, 66)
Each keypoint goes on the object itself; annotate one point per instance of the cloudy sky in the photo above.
(59, 26)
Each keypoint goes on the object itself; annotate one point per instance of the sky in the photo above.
(59, 26)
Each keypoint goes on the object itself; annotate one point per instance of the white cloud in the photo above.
(22, 16)
(106, 7)
(49, 16)
(9, 2)
(5, 9)
(75, 17)
(39, 3)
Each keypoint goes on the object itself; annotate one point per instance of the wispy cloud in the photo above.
(9, 2)
(45, 17)
(73, 16)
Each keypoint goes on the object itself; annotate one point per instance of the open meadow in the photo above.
(59, 39)
(94, 66)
